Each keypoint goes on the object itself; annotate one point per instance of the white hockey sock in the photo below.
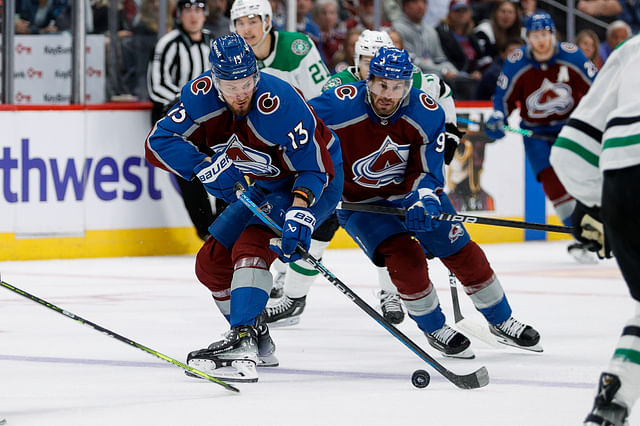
(625, 362)
(384, 280)
(300, 274)
(279, 267)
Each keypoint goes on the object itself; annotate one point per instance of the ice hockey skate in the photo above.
(606, 412)
(581, 254)
(391, 307)
(285, 312)
(232, 359)
(266, 346)
(512, 332)
(451, 343)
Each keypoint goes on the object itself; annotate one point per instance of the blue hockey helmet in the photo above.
(232, 58)
(391, 63)
(540, 21)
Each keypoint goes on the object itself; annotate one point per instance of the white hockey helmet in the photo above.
(261, 8)
(368, 44)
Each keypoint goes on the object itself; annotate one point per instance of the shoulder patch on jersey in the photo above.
(569, 47)
(300, 47)
(503, 81)
(202, 85)
(346, 92)
(268, 104)
(334, 82)
(428, 102)
(515, 56)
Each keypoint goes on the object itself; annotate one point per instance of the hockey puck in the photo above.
(420, 379)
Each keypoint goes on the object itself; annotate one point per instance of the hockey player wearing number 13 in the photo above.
(393, 152)
(258, 126)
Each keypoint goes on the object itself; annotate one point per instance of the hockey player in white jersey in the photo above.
(597, 158)
(290, 56)
(300, 275)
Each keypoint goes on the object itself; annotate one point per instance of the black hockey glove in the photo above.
(589, 230)
(452, 139)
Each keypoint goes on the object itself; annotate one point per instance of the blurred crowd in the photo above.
(463, 41)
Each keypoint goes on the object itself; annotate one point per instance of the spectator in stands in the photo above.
(217, 22)
(526, 9)
(604, 10)
(343, 58)
(617, 32)
(461, 48)
(502, 26)
(363, 19)
(631, 14)
(279, 17)
(304, 23)
(396, 38)
(421, 40)
(44, 16)
(179, 56)
(332, 32)
(587, 41)
(487, 86)
(436, 12)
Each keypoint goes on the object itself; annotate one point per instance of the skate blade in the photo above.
(285, 322)
(534, 348)
(268, 361)
(240, 371)
(466, 354)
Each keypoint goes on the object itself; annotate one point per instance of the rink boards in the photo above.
(75, 184)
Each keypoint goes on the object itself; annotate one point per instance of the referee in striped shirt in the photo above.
(179, 56)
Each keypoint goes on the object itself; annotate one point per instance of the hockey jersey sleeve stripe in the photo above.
(622, 121)
(585, 128)
(621, 142)
(577, 149)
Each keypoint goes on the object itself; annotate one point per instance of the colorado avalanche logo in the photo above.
(201, 85)
(246, 159)
(455, 232)
(267, 104)
(346, 92)
(550, 98)
(427, 102)
(382, 167)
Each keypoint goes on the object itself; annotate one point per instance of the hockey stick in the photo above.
(464, 324)
(448, 217)
(117, 336)
(474, 380)
(523, 132)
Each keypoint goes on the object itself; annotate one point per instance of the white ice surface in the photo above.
(337, 367)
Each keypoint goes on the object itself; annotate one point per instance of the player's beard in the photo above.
(240, 108)
(384, 107)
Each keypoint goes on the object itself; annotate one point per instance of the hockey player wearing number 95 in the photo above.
(394, 157)
(258, 126)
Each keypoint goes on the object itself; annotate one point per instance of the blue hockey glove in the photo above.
(423, 207)
(299, 223)
(589, 230)
(219, 177)
(494, 127)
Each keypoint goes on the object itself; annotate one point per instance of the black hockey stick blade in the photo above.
(458, 217)
(474, 380)
(117, 336)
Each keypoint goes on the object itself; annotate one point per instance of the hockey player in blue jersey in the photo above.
(547, 79)
(233, 122)
(393, 155)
